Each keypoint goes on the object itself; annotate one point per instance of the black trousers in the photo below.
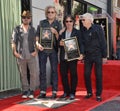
(97, 62)
(69, 82)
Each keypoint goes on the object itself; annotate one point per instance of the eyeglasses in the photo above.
(25, 17)
(83, 20)
(69, 21)
(50, 12)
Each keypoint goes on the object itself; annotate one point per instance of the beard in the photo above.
(26, 23)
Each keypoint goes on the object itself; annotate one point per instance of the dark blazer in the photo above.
(74, 33)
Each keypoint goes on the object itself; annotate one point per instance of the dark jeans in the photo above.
(69, 84)
(97, 62)
(118, 53)
(53, 57)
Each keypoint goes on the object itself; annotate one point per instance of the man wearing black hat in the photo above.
(23, 46)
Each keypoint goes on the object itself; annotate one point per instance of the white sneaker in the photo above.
(31, 95)
(25, 94)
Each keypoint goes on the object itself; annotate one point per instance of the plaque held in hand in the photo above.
(46, 38)
(71, 48)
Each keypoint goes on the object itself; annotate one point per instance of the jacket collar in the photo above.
(72, 33)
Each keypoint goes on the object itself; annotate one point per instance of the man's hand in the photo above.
(62, 43)
(61, 31)
(34, 53)
(81, 57)
(39, 46)
(54, 31)
(17, 55)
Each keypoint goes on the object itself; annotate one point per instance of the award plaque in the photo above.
(71, 48)
(46, 38)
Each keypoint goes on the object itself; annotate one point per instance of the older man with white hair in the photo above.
(95, 51)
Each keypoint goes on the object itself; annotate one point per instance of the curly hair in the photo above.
(47, 8)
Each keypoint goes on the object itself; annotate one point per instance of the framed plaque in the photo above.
(46, 38)
(71, 48)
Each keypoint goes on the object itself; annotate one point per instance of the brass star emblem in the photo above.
(46, 34)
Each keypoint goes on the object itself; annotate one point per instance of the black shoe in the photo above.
(64, 95)
(98, 98)
(54, 95)
(72, 96)
(89, 95)
(42, 95)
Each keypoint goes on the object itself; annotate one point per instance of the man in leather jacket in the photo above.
(23, 46)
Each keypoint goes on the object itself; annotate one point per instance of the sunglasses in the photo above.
(69, 21)
(25, 17)
(50, 12)
(83, 20)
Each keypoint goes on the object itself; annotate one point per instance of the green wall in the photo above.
(10, 11)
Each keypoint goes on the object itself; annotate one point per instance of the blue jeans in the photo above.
(53, 57)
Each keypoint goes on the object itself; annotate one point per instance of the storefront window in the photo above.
(118, 3)
(78, 8)
(91, 9)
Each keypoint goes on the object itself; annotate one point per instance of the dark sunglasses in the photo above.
(25, 17)
(69, 21)
(50, 12)
(83, 20)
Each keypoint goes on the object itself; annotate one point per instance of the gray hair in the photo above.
(88, 16)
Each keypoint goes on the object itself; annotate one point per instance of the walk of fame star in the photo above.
(71, 46)
(48, 103)
(46, 34)
(102, 26)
